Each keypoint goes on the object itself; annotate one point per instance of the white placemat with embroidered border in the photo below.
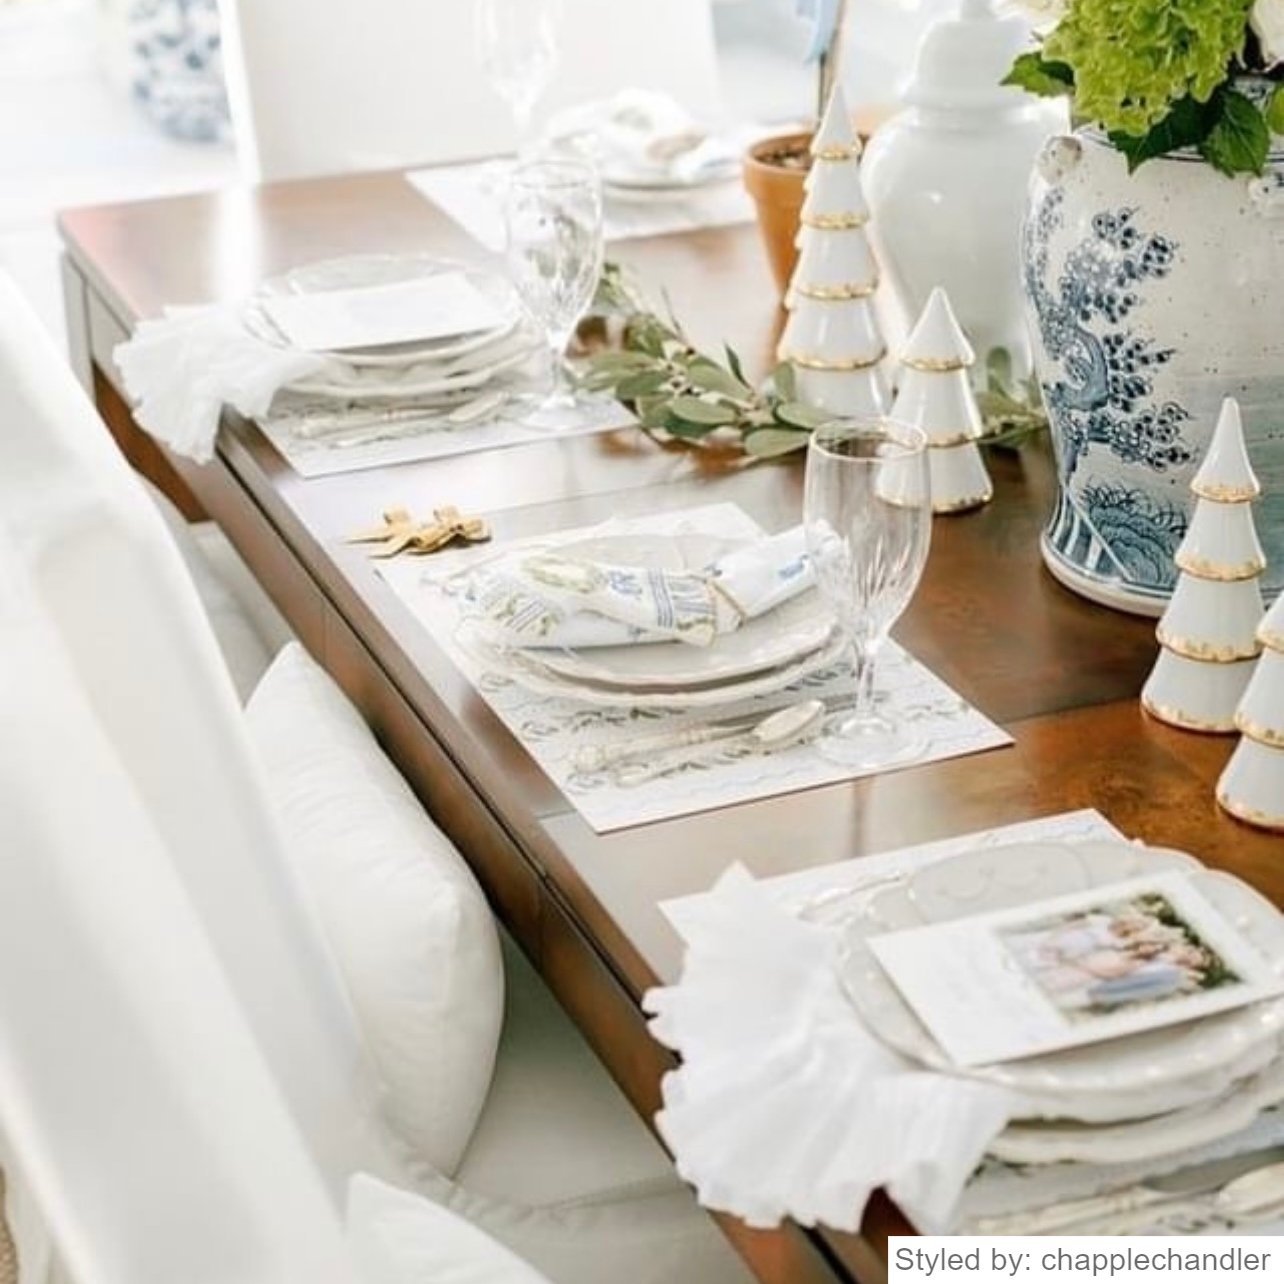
(998, 1188)
(553, 729)
(358, 441)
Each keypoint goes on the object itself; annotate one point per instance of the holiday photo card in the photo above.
(1074, 970)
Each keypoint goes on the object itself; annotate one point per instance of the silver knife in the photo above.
(1199, 1179)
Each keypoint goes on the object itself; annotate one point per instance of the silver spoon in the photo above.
(779, 730)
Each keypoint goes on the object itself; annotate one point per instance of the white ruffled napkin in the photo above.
(180, 370)
(785, 1105)
(546, 599)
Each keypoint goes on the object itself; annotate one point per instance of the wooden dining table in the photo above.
(1061, 675)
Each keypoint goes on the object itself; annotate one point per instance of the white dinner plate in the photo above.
(421, 380)
(525, 668)
(359, 270)
(1146, 1073)
(794, 629)
(1148, 1139)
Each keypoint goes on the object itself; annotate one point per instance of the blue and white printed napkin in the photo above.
(549, 599)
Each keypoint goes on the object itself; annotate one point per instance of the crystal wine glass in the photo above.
(517, 48)
(868, 516)
(553, 215)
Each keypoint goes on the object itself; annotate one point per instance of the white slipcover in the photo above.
(131, 1089)
(373, 84)
(105, 572)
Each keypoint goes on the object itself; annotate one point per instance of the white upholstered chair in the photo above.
(135, 1102)
(554, 1164)
(372, 84)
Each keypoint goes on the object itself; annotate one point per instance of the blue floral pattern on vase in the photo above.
(177, 67)
(1103, 392)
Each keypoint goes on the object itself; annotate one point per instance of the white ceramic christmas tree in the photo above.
(1208, 634)
(1252, 786)
(832, 338)
(936, 395)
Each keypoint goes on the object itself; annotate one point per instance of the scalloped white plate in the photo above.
(1143, 1074)
(524, 668)
(357, 270)
(795, 629)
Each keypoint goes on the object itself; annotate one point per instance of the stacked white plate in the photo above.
(441, 371)
(1133, 1099)
(765, 655)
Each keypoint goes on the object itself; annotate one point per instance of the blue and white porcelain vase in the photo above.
(1151, 297)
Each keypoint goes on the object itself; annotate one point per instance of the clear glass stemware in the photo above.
(868, 517)
(517, 48)
(553, 216)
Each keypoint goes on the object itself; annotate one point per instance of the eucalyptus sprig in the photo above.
(677, 391)
(1011, 408)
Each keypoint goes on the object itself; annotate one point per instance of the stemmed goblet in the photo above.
(553, 217)
(517, 47)
(868, 517)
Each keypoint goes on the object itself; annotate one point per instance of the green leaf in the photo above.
(785, 381)
(687, 431)
(733, 362)
(652, 411)
(641, 385)
(798, 415)
(1275, 111)
(692, 410)
(1033, 73)
(768, 443)
(619, 361)
(649, 341)
(1239, 142)
(1187, 125)
(998, 367)
(708, 377)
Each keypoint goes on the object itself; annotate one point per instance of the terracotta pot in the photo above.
(777, 191)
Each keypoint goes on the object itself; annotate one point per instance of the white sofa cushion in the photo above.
(410, 929)
(400, 1238)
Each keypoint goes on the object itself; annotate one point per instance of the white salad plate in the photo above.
(525, 667)
(796, 628)
(1144, 1074)
(364, 270)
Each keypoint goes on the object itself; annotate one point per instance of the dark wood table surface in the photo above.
(1061, 675)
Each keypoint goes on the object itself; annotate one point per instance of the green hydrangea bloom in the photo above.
(1133, 59)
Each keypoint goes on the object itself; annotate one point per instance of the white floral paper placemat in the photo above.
(364, 438)
(553, 729)
(473, 196)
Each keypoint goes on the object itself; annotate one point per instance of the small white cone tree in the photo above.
(832, 338)
(1208, 634)
(936, 395)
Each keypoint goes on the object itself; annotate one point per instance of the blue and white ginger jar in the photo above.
(1151, 297)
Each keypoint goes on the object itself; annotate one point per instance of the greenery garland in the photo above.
(681, 393)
